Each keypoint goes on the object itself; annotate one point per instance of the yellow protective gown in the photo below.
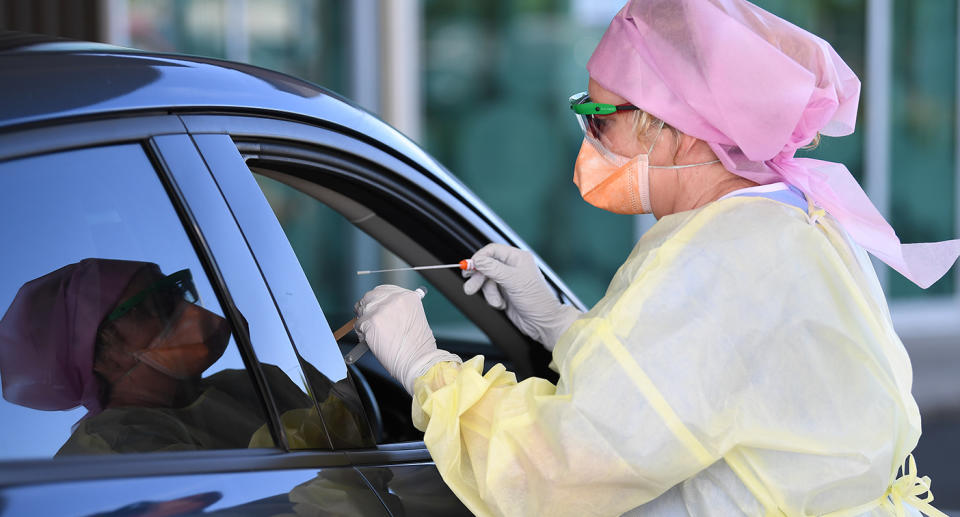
(742, 362)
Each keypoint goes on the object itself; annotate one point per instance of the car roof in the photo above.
(47, 80)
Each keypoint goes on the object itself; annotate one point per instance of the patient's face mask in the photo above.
(163, 327)
(191, 342)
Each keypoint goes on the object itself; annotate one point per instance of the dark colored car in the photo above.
(270, 192)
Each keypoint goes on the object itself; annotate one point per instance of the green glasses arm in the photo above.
(182, 277)
(598, 108)
(593, 108)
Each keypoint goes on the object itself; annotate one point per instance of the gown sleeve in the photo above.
(509, 448)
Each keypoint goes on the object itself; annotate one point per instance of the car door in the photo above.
(298, 191)
(82, 203)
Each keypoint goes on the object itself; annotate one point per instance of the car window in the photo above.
(112, 338)
(332, 251)
(354, 185)
(311, 343)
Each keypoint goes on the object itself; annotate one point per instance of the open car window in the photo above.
(338, 228)
(332, 251)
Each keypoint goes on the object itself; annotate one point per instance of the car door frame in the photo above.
(143, 127)
(415, 186)
(418, 180)
(254, 134)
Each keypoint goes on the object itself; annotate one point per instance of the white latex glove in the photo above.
(510, 279)
(391, 321)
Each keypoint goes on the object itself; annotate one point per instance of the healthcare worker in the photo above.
(743, 360)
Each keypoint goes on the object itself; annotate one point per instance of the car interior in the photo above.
(476, 327)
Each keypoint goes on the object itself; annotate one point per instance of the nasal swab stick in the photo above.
(358, 351)
(466, 265)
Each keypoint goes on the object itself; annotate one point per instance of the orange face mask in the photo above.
(616, 183)
(621, 189)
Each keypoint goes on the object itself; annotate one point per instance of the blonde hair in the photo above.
(643, 122)
(813, 143)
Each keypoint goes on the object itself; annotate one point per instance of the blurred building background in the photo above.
(483, 87)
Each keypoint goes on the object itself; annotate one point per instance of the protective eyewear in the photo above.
(592, 116)
(162, 296)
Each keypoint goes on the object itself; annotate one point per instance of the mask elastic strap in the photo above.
(682, 166)
(660, 130)
(655, 138)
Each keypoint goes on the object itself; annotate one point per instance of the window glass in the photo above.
(923, 113)
(923, 140)
(842, 23)
(194, 27)
(112, 338)
(499, 119)
(302, 38)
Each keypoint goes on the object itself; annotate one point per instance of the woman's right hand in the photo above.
(391, 321)
(511, 280)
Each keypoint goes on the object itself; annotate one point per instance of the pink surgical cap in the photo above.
(47, 335)
(755, 88)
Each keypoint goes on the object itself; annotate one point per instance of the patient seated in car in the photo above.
(130, 344)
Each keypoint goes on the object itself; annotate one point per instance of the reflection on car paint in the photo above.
(414, 490)
(332, 491)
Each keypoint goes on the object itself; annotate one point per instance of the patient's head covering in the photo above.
(47, 335)
(755, 88)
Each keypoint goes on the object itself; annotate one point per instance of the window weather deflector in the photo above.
(349, 168)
